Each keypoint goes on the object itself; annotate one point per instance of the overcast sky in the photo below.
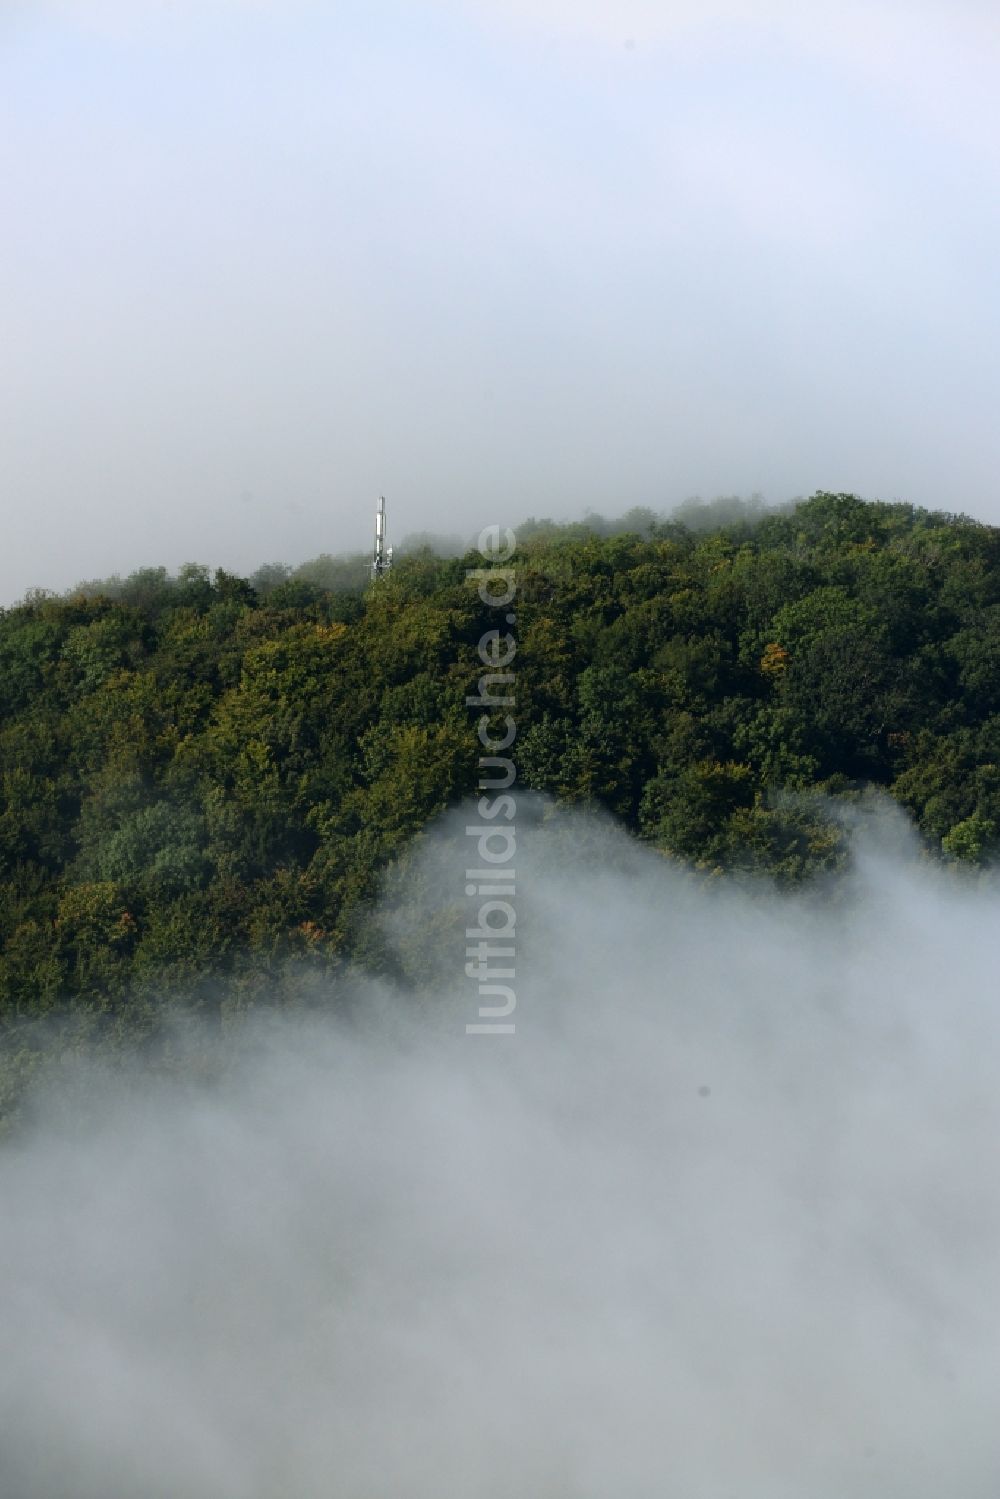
(261, 261)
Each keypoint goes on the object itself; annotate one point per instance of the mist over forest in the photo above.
(723, 1215)
(207, 778)
(510, 1012)
(347, 571)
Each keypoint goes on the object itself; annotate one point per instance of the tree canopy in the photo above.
(203, 777)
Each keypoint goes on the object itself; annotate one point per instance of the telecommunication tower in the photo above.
(382, 555)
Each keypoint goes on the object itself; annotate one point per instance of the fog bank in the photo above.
(721, 1218)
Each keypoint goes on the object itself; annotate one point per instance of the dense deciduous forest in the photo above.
(203, 777)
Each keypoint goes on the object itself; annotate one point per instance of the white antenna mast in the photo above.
(382, 555)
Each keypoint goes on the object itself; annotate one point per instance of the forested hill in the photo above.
(203, 778)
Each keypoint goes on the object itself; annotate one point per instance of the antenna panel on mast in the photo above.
(382, 555)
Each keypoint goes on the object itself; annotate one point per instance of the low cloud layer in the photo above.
(722, 1218)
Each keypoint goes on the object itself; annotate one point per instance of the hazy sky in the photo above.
(261, 261)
